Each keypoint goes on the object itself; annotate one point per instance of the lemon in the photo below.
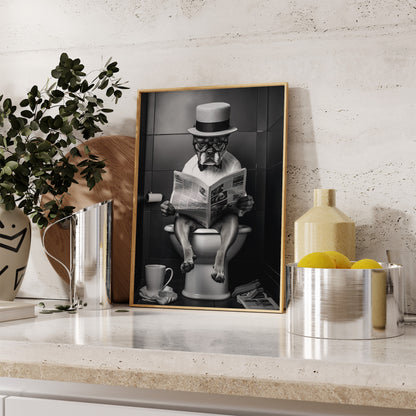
(317, 260)
(341, 261)
(366, 264)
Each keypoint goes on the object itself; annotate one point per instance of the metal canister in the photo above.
(346, 303)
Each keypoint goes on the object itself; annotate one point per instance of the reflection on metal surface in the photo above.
(90, 258)
(346, 303)
(407, 259)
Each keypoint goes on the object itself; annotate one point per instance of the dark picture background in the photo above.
(166, 145)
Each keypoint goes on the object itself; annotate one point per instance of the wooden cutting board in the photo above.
(117, 184)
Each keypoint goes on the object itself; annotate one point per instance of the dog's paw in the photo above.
(187, 266)
(218, 276)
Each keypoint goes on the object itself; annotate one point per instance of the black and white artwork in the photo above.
(209, 210)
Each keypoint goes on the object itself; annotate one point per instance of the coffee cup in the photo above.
(155, 275)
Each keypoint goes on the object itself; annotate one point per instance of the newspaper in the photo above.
(203, 203)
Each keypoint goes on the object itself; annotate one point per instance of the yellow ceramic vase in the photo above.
(324, 227)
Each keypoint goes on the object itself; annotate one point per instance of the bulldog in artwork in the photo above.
(211, 162)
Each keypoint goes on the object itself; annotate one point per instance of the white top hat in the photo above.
(212, 119)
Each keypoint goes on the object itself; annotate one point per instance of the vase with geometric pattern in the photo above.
(15, 237)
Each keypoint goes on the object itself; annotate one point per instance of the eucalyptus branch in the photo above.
(43, 132)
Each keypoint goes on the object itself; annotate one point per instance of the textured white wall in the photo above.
(350, 65)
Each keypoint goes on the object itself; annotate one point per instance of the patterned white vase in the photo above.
(15, 236)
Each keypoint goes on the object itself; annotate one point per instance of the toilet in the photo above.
(205, 242)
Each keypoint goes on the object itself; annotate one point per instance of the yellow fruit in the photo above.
(341, 261)
(366, 264)
(317, 260)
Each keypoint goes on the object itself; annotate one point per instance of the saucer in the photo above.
(145, 293)
(167, 295)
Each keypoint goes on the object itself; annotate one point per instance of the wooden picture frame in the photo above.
(255, 280)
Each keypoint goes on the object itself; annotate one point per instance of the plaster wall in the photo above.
(350, 65)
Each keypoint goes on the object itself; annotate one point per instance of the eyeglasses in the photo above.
(202, 144)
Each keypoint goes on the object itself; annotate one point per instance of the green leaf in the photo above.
(66, 128)
(34, 125)
(57, 93)
(12, 164)
(12, 133)
(75, 152)
(97, 176)
(84, 86)
(91, 183)
(7, 186)
(63, 307)
(102, 118)
(9, 203)
(56, 100)
(58, 122)
(63, 58)
(20, 148)
(6, 170)
(15, 123)
(110, 91)
(27, 131)
(34, 91)
(56, 73)
(42, 222)
(103, 85)
(27, 114)
(43, 156)
(7, 104)
(44, 146)
(50, 205)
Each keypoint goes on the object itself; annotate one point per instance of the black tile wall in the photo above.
(273, 215)
(243, 146)
(162, 182)
(262, 112)
(275, 146)
(147, 148)
(261, 150)
(150, 117)
(172, 151)
(275, 105)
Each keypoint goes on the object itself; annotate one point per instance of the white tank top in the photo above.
(211, 173)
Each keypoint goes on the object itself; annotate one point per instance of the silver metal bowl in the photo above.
(345, 303)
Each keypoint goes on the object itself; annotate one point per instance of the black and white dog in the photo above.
(211, 162)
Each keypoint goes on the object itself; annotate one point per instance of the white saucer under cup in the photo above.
(155, 275)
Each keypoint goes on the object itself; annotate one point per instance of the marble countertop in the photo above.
(232, 353)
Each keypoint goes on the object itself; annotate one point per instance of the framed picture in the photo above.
(209, 199)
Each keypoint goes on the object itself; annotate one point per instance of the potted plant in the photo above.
(38, 154)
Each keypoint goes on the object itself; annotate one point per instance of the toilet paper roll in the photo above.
(154, 197)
